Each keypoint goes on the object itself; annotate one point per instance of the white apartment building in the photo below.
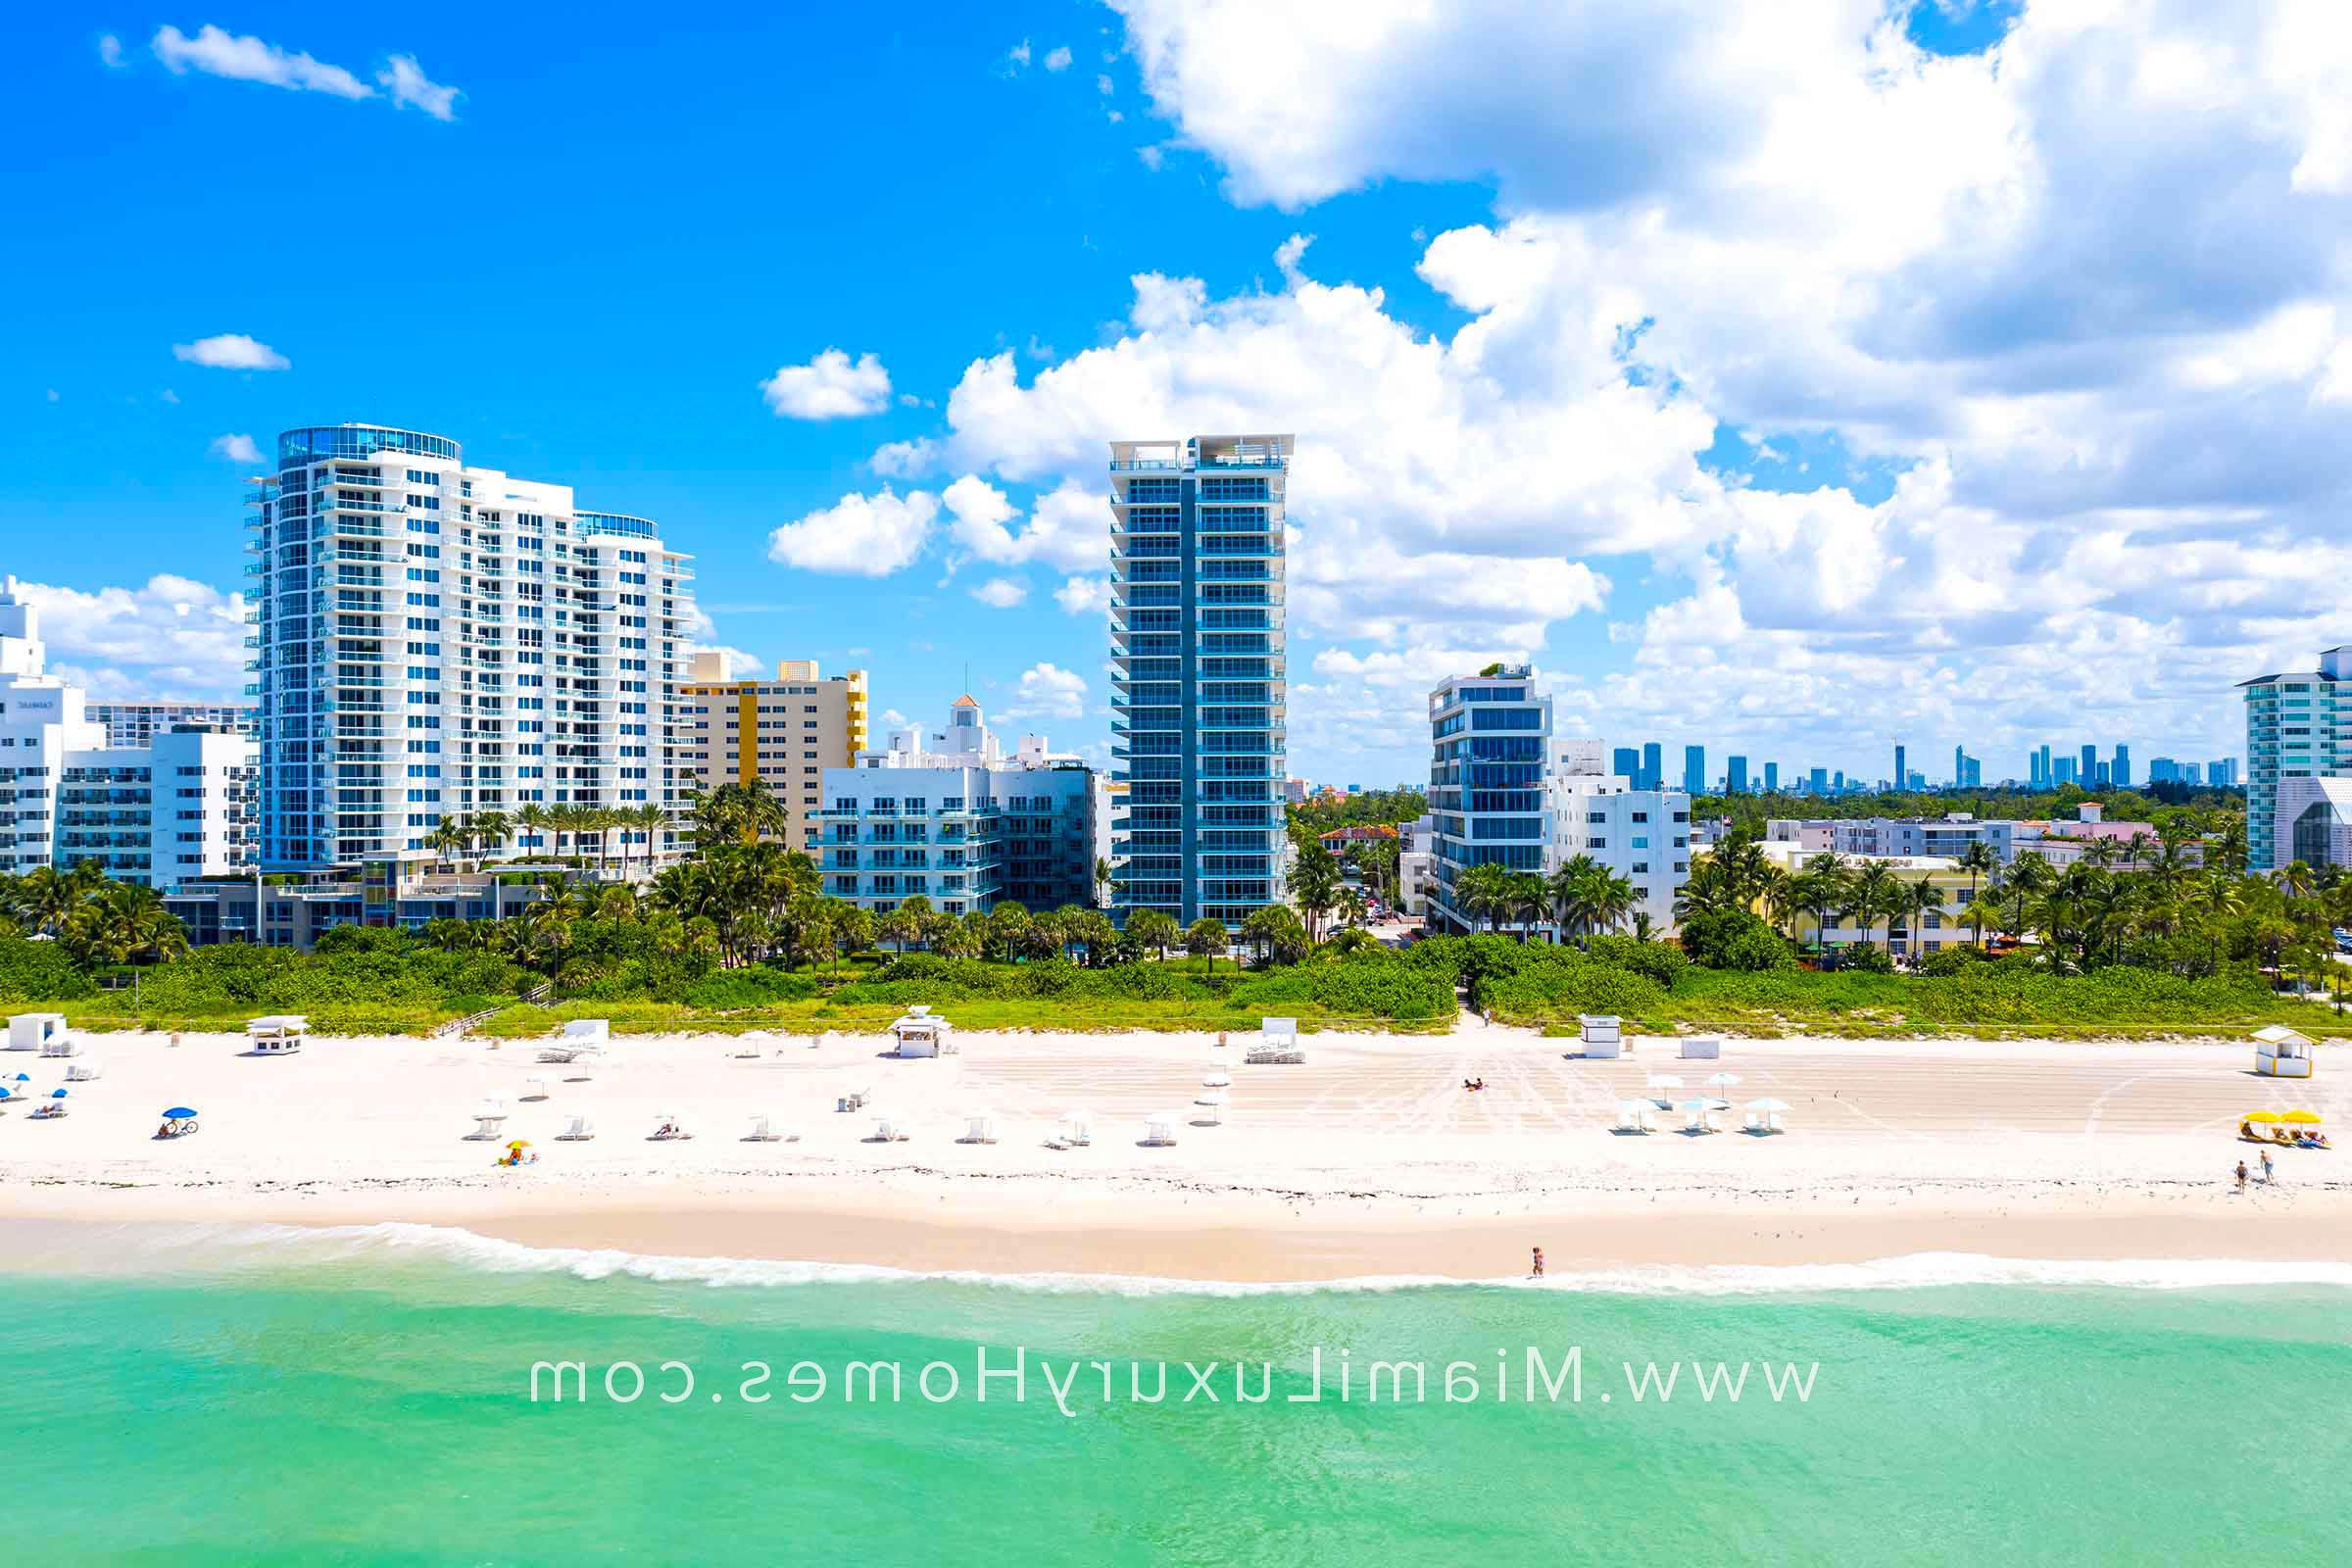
(435, 639)
(181, 806)
(138, 723)
(949, 817)
(1416, 865)
(2298, 728)
(1640, 835)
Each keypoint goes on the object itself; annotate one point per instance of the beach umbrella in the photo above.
(1212, 1097)
(521, 1143)
(179, 1113)
(1723, 1080)
(2263, 1116)
(57, 1093)
(1768, 1106)
(1217, 1080)
(2304, 1118)
(23, 1078)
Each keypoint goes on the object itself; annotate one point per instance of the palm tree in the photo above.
(2030, 879)
(1353, 908)
(1154, 929)
(446, 839)
(1565, 891)
(1205, 938)
(1104, 884)
(1482, 892)
(532, 819)
(488, 828)
(1315, 885)
(1978, 859)
(1872, 896)
(1923, 898)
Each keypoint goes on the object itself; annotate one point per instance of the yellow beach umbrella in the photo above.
(2306, 1117)
(2263, 1116)
(521, 1143)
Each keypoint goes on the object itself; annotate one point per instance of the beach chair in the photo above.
(979, 1130)
(576, 1131)
(887, 1131)
(1160, 1132)
(762, 1133)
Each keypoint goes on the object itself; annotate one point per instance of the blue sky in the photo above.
(588, 270)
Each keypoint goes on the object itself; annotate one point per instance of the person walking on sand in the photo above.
(1538, 1273)
(2242, 1175)
(2269, 1177)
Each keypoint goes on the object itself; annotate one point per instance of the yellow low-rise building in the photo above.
(779, 735)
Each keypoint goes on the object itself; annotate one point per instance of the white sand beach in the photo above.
(1370, 1157)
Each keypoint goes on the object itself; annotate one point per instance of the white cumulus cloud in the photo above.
(1002, 592)
(246, 57)
(830, 386)
(231, 351)
(860, 535)
(412, 88)
(1048, 690)
(171, 639)
(236, 448)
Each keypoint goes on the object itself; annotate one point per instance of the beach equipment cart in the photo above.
(921, 1033)
(280, 1034)
(1701, 1047)
(1602, 1035)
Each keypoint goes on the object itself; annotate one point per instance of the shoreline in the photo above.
(1265, 1240)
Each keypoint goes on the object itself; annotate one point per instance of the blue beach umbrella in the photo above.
(57, 1093)
(22, 1078)
(179, 1113)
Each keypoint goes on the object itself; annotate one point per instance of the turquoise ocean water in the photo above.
(363, 1398)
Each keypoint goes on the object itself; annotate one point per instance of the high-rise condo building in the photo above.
(776, 735)
(1968, 772)
(139, 723)
(1628, 761)
(1653, 768)
(1902, 770)
(2222, 773)
(1488, 738)
(2087, 773)
(1734, 776)
(433, 639)
(2298, 728)
(2121, 774)
(1199, 678)
(1695, 770)
(1772, 778)
(1818, 780)
(178, 807)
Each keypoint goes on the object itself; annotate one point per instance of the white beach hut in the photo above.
(280, 1034)
(922, 1033)
(1701, 1047)
(2282, 1052)
(1278, 1042)
(31, 1031)
(1602, 1035)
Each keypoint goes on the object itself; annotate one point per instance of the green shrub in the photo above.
(1661, 961)
(1735, 939)
(39, 971)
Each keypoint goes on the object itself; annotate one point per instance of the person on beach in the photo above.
(1539, 1274)
(2268, 1176)
(2242, 1175)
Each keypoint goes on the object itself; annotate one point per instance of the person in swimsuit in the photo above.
(1539, 1274)
(2242, 1175)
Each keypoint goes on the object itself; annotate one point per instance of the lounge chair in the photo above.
(576, 1131)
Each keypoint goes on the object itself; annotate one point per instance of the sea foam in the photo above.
(274, 1245)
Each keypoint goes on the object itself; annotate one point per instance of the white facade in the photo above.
(1416, 865)
(434, 638)
(178, 808)
(1640, 835)
(138, 723)
(948, 815)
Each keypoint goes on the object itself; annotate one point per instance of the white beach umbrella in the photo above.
(1723, 1080)
(1767, 1105)
(1217, 1080)
(1213, 1096)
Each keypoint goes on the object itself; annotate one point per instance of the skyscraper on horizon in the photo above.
(1695, 770)
(2121, 772)
(1902, 771)
(1198, 683)
(1772, 778)
(433, 639)
(1734, 776)
(2088, 772)
(1654, 767)
(1627, 762)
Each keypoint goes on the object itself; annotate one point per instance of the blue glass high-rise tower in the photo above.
(1199, 682)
